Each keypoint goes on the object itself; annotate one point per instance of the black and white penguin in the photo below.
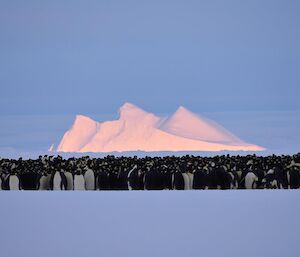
(2, 179)
(201, 178)
(133, 179)
(167, 180)
(234, 181)
(58, 181)
(79, 182)
(13, 182)
(12, 179)
(271, 181)
(241, 173)
(44, 181)
(191, 179)
(113, 177)
(29, 180)
(186, 179)
(153, 179)
(213, 177)
(251, 180)
(281, 175)
(260, 175)
(70, 180)
(103, 180)
(90, 182)
(4, 183)
(294, 178)
(122, 179)
(178, 180)
(223, 178)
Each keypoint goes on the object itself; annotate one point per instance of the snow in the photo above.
(164, 223)
(138, 130)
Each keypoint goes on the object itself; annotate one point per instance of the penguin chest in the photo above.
(57, 181)
(44, 182)
(191, 179)
(69, 178)
(186, 181)
(79, 183)
(89, 180)
(250, 181)
(14, 182)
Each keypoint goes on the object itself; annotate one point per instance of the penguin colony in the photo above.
(151, 173)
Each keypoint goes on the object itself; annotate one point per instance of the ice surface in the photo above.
(190, 125)
(81, 132)
(138, 130)
(165, 223)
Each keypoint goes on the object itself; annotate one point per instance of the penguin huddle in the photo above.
(151, 173)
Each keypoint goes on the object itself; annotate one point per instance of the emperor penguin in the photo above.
(14, 182)
(79, 183)
(178, 180)
(13, 179)
(4, 181)
(89, 177)
(191, 179)
(294, 178)
(234, 184)
(153, 180)
(167, 179)
(103, 180)
(44, 181)
(186, 179)
(132, 179)
(70, 180)
(29, 179)
(135, 179)
(58, 181)
(251, 180)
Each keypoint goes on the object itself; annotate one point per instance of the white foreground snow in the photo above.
(163, 223)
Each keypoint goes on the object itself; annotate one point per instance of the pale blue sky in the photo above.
(68, 57)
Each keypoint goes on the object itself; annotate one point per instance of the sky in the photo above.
(90, 57)
(61, 58)
(261, 223)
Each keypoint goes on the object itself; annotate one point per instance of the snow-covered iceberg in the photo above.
(138, 130)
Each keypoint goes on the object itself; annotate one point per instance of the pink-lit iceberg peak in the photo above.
(138, 130)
